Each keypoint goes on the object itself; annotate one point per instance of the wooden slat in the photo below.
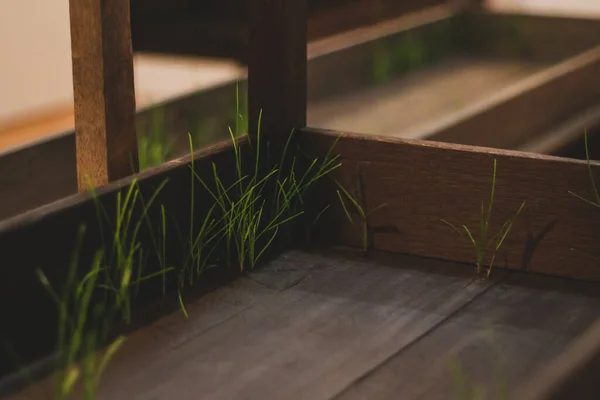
(572, 375)
(422, 182)
(501, 338)
(277, 65)
(103, 91)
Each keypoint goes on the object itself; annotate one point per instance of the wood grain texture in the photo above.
(45, 237)
(103, 91)
(501, 338)
(277, 66)
(422, 182)
(303, 327)
(572, 375)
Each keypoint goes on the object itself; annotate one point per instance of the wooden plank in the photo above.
(174, 330)
(330, 317)
(505, 334)
(519, 111)
(571, 375)
(523, 35)
(103, 91)
(37, 174)
(422, 182)
(277, 66)
(44, 238)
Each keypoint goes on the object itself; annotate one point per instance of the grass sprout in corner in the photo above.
(484, 240)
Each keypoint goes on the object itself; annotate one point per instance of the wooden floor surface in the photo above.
(334, 326)
(404, 106)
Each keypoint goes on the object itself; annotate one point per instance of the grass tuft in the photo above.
(483, 240)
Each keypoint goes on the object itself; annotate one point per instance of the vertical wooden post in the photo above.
(277, 65)
(104, 91)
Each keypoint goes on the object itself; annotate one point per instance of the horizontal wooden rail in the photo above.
(412, 185)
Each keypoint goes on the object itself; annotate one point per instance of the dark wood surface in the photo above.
(422, 182)
(277, 65)
(500, 339)
(340, 324)
(572, 375)
(44, 238)
(103, 91)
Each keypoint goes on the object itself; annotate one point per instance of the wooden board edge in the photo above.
(526, 107)
(40, 213)
(417, 180)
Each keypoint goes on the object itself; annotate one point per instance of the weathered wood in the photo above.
(501, 338)
(277, 66)
(421, 183)
(572, 375)
(103, 91)
(346, 315)
(45, 237)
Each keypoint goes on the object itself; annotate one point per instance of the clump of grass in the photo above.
(483, 240)
(125, 258)
(251, 219)
(82, 326)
